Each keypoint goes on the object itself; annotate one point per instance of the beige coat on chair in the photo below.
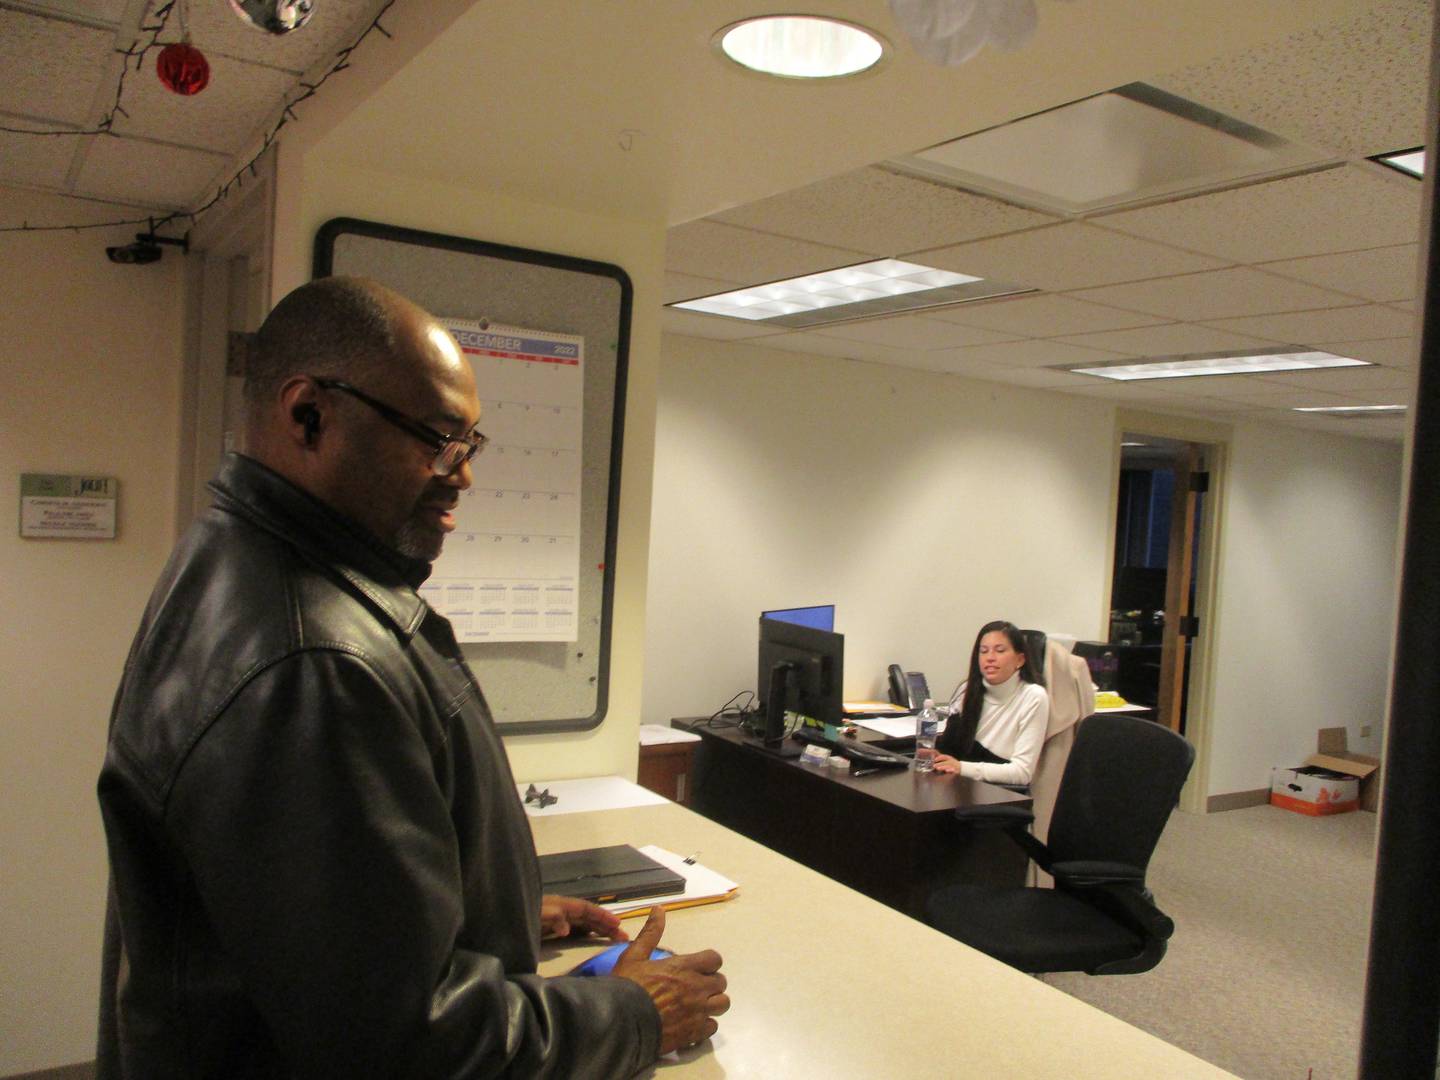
(1072, 698)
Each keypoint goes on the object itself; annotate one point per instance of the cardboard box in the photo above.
(1314, 790)
(1364, 767)
(1332, 781)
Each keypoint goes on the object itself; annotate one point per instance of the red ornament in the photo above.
(183, 68)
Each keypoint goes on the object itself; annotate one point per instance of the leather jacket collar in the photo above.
(248, 489)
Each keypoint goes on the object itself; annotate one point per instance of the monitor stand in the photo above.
(785, 748)
(782, 679)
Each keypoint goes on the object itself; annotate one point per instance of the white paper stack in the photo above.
(702, 886)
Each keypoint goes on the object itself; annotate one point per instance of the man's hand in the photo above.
(562, 916)
(688, 990)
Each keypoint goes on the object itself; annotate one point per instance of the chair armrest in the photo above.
(1015, 820)
(1084, 873)
(1133, 906)
(1000, 816)
(1034, 849)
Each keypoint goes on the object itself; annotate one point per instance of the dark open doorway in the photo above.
(1153, 621)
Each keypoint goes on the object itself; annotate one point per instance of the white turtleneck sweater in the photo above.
(1013, 719)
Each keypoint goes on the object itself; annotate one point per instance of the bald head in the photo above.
(337, 327)
(351, 394)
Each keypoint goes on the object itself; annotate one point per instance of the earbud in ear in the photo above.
(309, 418)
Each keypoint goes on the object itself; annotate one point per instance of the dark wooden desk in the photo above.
(891, 835)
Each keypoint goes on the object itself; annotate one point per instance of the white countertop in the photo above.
(826, 982)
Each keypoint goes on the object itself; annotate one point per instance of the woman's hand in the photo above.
(946, 764)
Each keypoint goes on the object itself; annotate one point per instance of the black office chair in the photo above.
(1123, 779)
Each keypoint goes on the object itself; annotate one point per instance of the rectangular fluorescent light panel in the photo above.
(882, 287)
(1410, 162)
(1354, 410)
(1249, 364)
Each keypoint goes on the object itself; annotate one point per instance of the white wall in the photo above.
(1306, 607)
(921, 505)
(313, 188)
(89, 384)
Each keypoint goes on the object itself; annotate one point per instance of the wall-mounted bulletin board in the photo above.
(527, 578)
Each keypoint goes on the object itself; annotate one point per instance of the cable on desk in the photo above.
(746, 716)
(732, 714)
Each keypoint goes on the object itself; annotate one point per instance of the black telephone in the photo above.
(908, 689)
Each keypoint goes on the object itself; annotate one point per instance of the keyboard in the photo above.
(858, 752)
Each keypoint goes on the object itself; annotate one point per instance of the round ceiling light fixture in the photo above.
(800, 46)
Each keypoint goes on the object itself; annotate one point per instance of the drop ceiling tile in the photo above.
(1169, 339)
(1310, 421)
(1335, 324)
(1401, 352)
(1347, 380)
(1399, 395)
(1039, 378)
(1341, 209)
(946, 362)
(693, 324)
(1071, 256)
(1356, 87)
(35, 160)
(1206, 412)
(1041, 316)
(333, 25)
(240, 100)
(52, 69)
(1140, 395)
(1030, 354)
(1278, 397)
(689, 287)
(1380, 274)
(1223, 387)
(912, 332)
(710, 249)
(109, 11)
(149, 175)
(882, 213)
(1216, 294)
(1200, 404)
(840, 349)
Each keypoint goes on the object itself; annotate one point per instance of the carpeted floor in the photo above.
(1265, 973)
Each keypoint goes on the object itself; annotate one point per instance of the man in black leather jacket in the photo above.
(319, 865)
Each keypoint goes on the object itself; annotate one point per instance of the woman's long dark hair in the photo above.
(960, 731)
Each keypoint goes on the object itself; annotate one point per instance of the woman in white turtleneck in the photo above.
(996, 735)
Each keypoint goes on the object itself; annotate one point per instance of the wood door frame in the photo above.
(1216, 439)
(227, 287)
(1179, 569)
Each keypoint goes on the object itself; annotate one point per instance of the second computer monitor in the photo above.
(801, 670)
(821, 616)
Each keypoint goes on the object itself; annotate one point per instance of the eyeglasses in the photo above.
(450, 451)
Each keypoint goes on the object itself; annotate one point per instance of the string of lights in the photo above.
(287, 115)
(135, 52)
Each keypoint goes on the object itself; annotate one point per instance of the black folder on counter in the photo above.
(607, 874)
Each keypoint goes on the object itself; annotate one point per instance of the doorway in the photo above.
(1154, 592)
(227, 296)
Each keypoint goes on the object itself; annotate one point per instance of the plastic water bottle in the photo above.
(927, 724)
(1109, 669)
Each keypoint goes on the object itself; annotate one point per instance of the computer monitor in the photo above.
(821, 616)
(801, 670)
